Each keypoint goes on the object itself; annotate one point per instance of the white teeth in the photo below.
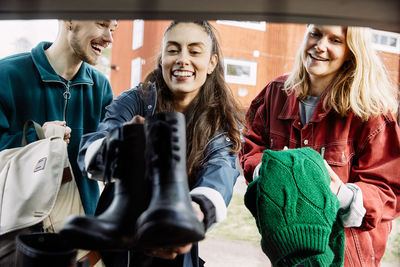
(98, 47)
(182, 73)
(318, 58)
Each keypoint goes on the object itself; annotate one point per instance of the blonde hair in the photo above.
(362, 85)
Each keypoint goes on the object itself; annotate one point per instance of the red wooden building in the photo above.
(254, 53)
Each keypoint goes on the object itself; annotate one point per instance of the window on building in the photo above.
(136, 71)
(254, 25)
(137, 39)
(240, 71)
(386, 41)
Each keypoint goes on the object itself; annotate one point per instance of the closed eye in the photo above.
(102, 24)
(315, 34)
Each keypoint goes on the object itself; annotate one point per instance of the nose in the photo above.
(183, 58)
(107, 36)
(321, 45)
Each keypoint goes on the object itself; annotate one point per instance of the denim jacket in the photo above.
(215, 179)
(365, 153)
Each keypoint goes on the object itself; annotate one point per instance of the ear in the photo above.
(159, 59)
(67, 24)
(212, 64)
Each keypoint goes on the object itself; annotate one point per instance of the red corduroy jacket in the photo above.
(364, 153)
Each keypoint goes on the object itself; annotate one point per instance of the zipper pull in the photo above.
(323, 152)
(67, 96)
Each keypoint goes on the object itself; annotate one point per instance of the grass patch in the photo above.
(392, 253)
(239, 224)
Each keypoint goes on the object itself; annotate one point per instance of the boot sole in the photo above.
(78, 233)
(156, 234)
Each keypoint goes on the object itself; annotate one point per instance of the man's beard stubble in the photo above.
(79, 51)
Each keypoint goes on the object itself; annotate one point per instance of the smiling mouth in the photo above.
(182, 73)
(318, 58)
(97, 48)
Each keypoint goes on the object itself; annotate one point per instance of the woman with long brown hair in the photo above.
(189, 79)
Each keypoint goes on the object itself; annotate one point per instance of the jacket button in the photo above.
(228, 139)
(149, 106)
(305, 142)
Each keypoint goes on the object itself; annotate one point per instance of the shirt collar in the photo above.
(290, 109)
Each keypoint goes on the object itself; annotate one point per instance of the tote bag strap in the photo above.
(38, 130)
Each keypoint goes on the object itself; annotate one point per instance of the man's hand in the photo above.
(67, 133)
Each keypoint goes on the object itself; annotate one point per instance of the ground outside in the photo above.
(236, 241)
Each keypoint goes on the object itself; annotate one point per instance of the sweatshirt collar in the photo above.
(47, 72)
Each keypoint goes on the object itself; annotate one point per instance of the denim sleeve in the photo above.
(121, 109)
(216, 180)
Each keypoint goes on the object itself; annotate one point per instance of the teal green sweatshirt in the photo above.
(31, 90)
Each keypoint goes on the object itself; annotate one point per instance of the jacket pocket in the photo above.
(340, 156)
(278, 141)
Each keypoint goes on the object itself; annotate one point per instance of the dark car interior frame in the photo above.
(378, 14)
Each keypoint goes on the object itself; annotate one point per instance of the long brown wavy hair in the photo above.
(213, 109)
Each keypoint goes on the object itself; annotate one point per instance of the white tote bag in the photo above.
(31, 183)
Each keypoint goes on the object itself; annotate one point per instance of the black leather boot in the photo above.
(114, 228)
(44, 250)
(170, 219)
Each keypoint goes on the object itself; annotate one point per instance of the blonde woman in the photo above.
(339, 101)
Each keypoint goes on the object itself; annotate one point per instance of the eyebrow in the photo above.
(341, 36)
(110, 22)
(191, 44)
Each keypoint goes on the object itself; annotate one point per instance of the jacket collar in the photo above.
(47, 72)
(290, 109)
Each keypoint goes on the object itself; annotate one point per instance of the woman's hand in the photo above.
(172, 252)
(135, 120)
(335, 180)
(197, 211)
(169, 253)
